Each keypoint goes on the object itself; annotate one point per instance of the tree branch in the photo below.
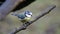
(25, 25)
(8, 6)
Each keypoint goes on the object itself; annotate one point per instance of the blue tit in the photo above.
(25, 16)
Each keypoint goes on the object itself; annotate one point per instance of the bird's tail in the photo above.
(15, 14)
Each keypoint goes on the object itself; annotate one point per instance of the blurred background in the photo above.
(39, 27)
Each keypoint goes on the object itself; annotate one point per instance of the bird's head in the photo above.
(28, 13)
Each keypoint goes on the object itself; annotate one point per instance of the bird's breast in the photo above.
(26, 19)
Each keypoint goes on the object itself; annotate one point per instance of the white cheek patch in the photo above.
(28, 15)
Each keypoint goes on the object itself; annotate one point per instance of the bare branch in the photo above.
(8, 6)
(25, 25)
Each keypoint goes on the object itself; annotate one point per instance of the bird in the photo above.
(24, 17)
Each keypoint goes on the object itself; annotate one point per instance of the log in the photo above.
(8, 6)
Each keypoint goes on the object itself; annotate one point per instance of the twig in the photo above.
(8, 6)
(25, 25)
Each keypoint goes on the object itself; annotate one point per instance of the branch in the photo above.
(8, 6)
(25, 25)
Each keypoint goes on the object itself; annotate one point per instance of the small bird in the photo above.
(24, 17)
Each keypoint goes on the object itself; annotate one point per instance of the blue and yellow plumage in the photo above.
(24, 17)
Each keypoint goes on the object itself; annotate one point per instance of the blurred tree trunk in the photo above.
(8, 6)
